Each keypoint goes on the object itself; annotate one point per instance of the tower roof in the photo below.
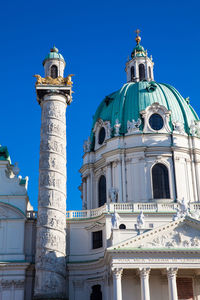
(138, 50)
(54, 54)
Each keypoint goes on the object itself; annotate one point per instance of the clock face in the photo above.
(156, 122)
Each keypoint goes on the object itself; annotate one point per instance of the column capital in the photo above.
(172, 272)
(117, 272)
(144, 272)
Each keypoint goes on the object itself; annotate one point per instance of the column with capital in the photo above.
(144, 279)
(171, 275)
(117, 285)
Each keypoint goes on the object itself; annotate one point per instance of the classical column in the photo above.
(144, 281)
(50, 280)
(117, 285)
(84, 194)
(88, 192)
(171, 275)
(108, 181)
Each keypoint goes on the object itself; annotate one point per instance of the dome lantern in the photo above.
(140, 66)
(54, 63)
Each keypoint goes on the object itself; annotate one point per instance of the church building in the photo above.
(137, 236)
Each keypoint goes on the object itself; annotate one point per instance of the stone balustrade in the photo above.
(131, 207)
(123, 207)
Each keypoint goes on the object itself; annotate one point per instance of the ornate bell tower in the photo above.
(140, 66)
(53, 95)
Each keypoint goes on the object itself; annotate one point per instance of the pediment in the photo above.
(8, 211)
(181, 234)
(95, 226)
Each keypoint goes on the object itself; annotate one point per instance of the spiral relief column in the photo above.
(53, 95)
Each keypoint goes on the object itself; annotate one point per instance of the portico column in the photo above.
(171, 275)
(117, 285)
(144, 281)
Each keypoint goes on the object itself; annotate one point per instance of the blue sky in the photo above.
(95, 37)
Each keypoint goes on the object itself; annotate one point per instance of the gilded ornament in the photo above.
(54, 81)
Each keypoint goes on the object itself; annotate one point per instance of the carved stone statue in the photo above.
(113, 194)
(108, 130)
(115, 220)
(140, 220)
(133, 126)
(117, 127)
(178, 127)
(86, 145)
(16, 169)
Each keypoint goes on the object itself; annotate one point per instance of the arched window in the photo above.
(96, 292)
(132, 73)
(149, 72)
(141, 72)
(122, 226)
(54, 71)
(160, 180)
(102, 190)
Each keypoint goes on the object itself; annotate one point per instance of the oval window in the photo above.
(102, 135)
(156, 122)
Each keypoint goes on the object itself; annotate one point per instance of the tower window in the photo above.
(156, 122)
(97, 241)
(132, 73)
(149, 72)
(102, 190)
(96, 292)
(141, 71)
(54, 71)
(102, 135)
(160, 180)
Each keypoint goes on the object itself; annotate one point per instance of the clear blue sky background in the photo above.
(95, 37)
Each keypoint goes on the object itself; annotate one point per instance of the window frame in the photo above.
(92, 239)
(169, 181)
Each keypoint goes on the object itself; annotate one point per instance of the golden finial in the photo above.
(138, 38)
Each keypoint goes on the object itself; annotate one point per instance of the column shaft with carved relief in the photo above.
(50, 261)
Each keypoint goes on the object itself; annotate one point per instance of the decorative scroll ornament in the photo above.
(113, 194)
(117, 127)
(86, 145)
(133, 126)
(54, 81)
(178, 127)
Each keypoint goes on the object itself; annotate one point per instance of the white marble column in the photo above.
(171, 275)
(117, 285)
(84, 194)
(119, 162)
(51, 222)
(88, 192)
(108, 181)
(144, 281)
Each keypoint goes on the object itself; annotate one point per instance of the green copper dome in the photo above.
(127, 103)
(54, 54)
